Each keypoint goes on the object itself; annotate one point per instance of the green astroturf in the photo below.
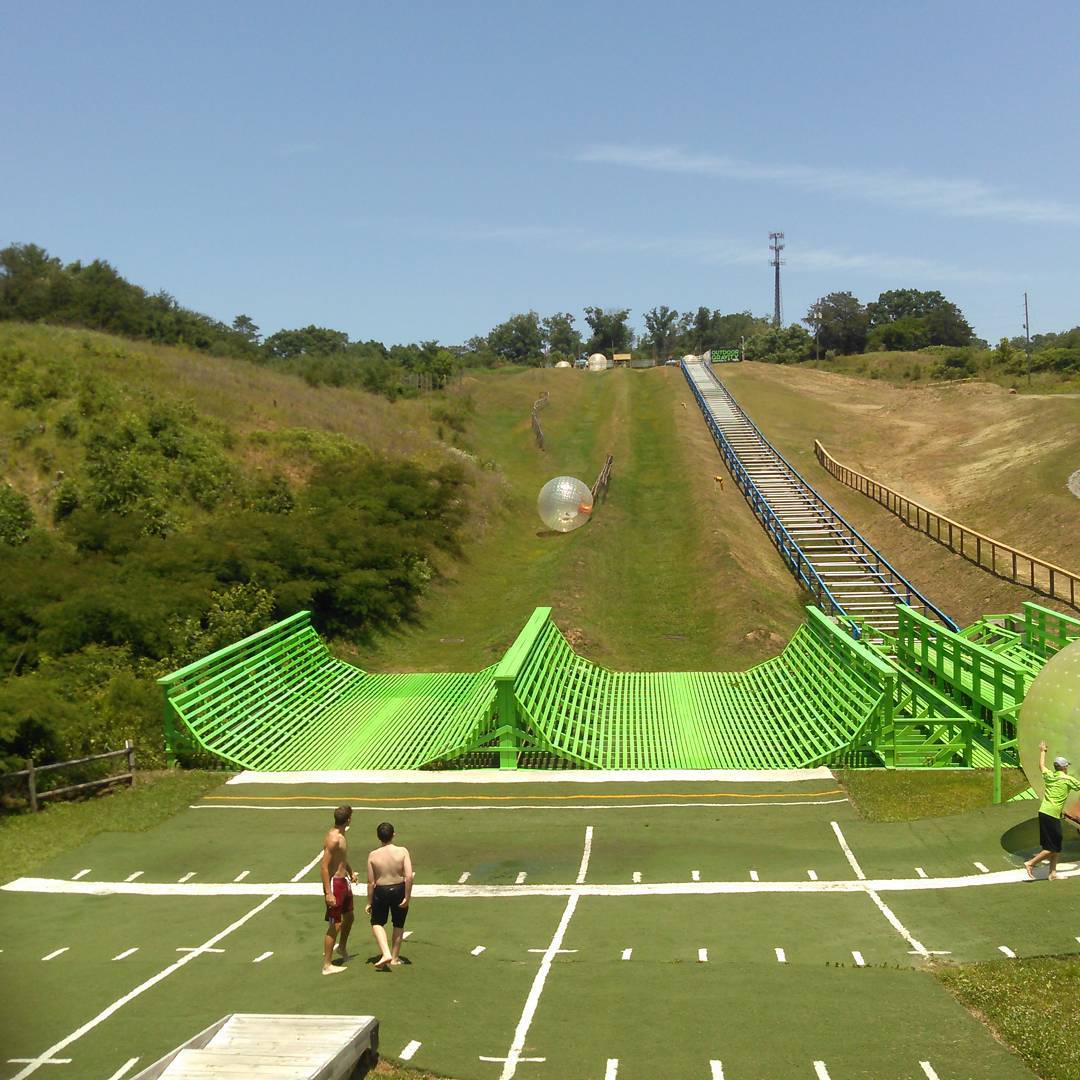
(661, 1013)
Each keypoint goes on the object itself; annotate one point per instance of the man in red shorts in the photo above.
(337, 876)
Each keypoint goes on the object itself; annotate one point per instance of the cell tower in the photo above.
(776, 245)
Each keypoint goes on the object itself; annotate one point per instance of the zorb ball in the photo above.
(565, 503)
(1051, 714)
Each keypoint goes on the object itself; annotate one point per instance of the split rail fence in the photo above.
(32, 772)
(984, 551)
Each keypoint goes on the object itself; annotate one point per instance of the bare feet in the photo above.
(383, 962)
(332, 970)
(1053, 876)
(396, 963)
(1027, 869)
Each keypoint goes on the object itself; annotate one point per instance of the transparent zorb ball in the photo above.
(564, 504)
(1051, 713)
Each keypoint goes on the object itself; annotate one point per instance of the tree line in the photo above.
(35, 286)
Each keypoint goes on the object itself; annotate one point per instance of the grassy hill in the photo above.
(160, 503)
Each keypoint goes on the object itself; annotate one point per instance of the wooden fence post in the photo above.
(130, 759)
(31, 783)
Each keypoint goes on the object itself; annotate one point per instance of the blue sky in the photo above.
(423, 170)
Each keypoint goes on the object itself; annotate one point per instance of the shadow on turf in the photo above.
(1022, 841)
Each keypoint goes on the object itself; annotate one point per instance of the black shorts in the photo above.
(386, 900)
(1049, 832)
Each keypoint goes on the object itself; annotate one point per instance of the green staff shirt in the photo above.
(1057, 787)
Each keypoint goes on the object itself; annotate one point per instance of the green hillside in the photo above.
(159, 503)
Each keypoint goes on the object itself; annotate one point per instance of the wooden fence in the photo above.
(32, 771)
(538, 431)
(600, 487)
(984, 551)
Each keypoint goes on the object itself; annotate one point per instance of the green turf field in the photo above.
(618, 929)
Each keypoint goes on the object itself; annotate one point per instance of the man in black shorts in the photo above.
(389, 887)
(1058, 785)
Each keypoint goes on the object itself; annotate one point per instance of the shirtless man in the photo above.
(389, 886)
(337, 876)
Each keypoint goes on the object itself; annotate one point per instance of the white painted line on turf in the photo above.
(80, 874)
(56, 952)
(464, 877)
(520, 1059)
(198, 949)
(532, 806)
(982, 868)
(859, 961)
(583, 869)
(917, 946)
(716, 1070)
(920, 871)
(187, 877)
(703, 956)
(126, 953)
(559, 950)
(695, 875)
(409, 1049)
(854, 863)
(812, 875)
(637, 877)
(132, 877)
(820, 1071)
(520, 879)
(125, 1069)
(407, 934)
(243, 874)
(33, 1065)
(48, 1061)
(611, 1071)
(479, 949)
(781, 956)
(753, 875)
(1001, 948)
(521, 1032)
(627, 953)
(661, 888)
(928, 1069)
(553, 776)
(263, 956)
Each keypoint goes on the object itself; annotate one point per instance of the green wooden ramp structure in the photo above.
(280, 701)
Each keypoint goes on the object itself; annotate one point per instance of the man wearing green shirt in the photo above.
(1058, 785)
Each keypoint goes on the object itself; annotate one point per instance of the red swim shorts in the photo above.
(343, 895)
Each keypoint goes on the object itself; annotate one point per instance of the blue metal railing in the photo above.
(868, 552)
(790, 552)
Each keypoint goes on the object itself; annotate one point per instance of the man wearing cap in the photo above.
(1057, 786)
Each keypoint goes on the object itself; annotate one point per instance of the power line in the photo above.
(776, 245)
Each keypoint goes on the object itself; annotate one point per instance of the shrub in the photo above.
(16, 516)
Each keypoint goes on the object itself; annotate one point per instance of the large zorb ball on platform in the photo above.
(565, 503)
(1051, 713)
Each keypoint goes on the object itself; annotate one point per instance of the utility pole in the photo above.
(776, 245)
(1027, 336)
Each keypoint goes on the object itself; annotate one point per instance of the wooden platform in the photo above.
(272, 1045)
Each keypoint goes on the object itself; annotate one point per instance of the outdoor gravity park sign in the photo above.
(724, 356)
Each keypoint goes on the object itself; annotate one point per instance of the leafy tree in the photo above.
(307, 341)
(519, 340)
(245, 325)
(16, 516)
(610, 329)
(906, 333)
(842, 323)
(661, 330)
(925, 317)
(780, 345)
(560, 335)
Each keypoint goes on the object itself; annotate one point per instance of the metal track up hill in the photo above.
(847, 576)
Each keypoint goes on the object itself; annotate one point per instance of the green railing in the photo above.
(279, 700)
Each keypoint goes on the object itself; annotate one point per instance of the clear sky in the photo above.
(419, 170)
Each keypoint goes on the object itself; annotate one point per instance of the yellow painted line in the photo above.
(516, 798)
